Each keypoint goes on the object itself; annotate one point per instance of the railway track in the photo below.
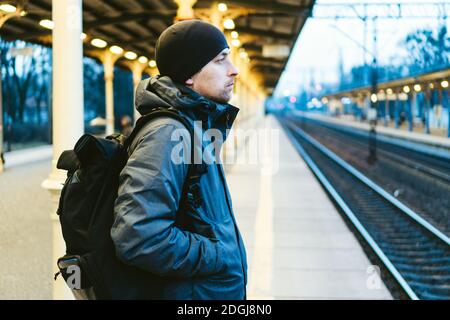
(416, 254)
(412, 176)
(431, 165)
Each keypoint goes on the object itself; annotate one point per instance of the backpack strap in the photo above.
(191, 187)
(157, 113)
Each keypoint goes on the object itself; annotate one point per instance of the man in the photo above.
(190, 249)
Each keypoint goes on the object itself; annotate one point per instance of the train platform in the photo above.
(435, 141)
(25, 156)
(298, 246)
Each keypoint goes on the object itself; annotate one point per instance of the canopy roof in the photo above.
(267, 29)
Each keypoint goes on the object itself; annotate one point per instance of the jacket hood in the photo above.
(162, 92)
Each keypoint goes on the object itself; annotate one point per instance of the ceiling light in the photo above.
(99, 43)
(116, 49)
(152, 64)
(130, 55)
(234, 34)
(222, 7)
(374, 97)
(46, 23)
(235, 43)
(143, 59)
(8, 8)
(228, 24)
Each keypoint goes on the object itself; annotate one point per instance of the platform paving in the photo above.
(25, 228)
(298, 246)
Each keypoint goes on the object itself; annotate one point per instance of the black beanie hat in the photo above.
(186, 47)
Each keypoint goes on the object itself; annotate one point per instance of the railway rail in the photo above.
(416, 254)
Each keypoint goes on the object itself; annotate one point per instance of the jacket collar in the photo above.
(163, 92)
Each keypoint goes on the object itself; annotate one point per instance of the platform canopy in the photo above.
(267, 29)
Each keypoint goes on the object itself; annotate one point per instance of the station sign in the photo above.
(14, 52)
(275, 51)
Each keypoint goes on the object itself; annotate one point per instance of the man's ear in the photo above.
(189, 82)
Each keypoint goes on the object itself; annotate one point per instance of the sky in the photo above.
(324, 42)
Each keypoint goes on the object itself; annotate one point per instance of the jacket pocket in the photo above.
(191, 220)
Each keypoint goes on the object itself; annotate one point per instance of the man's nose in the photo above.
(233, 71)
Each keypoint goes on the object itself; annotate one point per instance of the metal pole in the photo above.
(427, 109)
(445, 100)
(365, 43)
(373, 102)
(396, 109)
(386, 111)
(411, 102)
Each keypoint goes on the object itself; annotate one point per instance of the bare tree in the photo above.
(428, 50)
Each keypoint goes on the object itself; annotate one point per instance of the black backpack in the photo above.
(86, 208)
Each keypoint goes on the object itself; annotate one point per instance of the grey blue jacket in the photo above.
(190, 251)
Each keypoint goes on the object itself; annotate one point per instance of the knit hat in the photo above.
(186, 47)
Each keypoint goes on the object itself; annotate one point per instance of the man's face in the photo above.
(215, 81)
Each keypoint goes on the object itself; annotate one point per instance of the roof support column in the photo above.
(411, 109)
(109, 59)
(442, 106)
(68, 124)
(137, 68)
(216, 17)
(396, 108)
(19, 12)
(446, 102)
(386, 110)
(427, 104)
(185, 10)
